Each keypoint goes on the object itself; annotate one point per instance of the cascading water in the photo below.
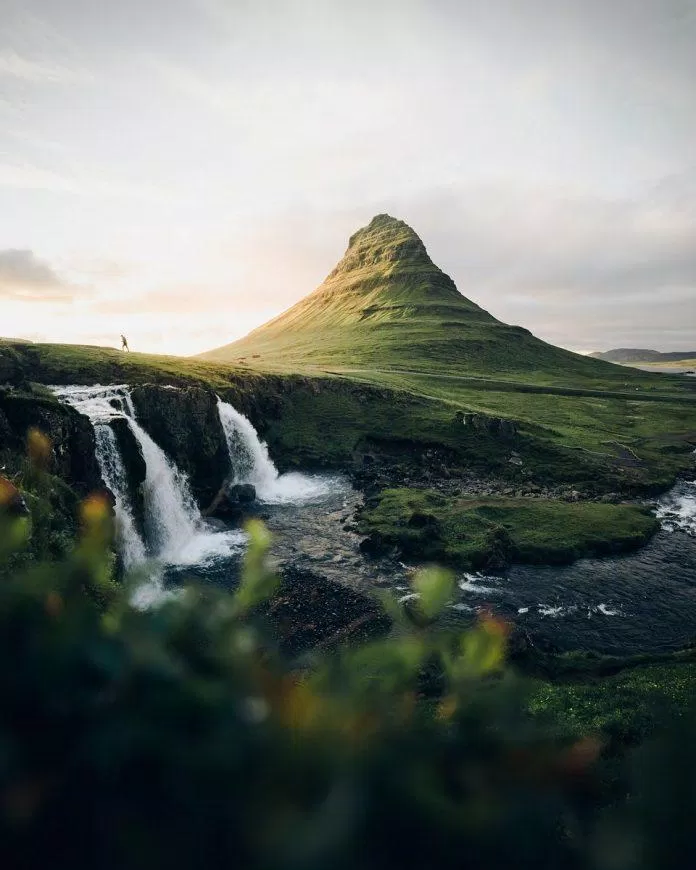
(175, 531)
(130, 543)
(102, 405)
(171, 515)
(252, 464)
(677, 511)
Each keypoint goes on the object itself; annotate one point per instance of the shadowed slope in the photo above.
(387, 305)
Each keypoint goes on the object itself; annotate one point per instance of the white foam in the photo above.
(176, 533)
(251, 463)
(605, 610)
(478, 583)
(677, 510)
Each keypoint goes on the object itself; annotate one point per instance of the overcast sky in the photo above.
(182, 170)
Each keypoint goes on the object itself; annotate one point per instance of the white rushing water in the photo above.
(677, 510)
(175, 533)
(130, 543)
(252, 464)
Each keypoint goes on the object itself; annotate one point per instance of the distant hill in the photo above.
(638, 355)
(386, 305)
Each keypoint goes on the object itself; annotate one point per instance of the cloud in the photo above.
(24, 277)
(26, 176)
(38, 71)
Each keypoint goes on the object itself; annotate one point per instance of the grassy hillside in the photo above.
(387, 306)
(387, 316)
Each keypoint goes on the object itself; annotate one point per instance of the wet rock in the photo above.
(70, 433)
(241, 493)
(375, 546)
(232, 502)
(309, 610)
(185, 424)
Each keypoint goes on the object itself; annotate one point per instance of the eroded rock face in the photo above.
(69, 432)
(185, 424)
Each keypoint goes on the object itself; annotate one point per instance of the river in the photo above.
(641, 602)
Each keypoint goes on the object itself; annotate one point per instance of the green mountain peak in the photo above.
(386, 305)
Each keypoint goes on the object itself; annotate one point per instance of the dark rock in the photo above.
(185, 424)
(375, 546)
(482, 423)
(419, 520)
(309, 610)
(70, 433)
(230, 502)
(242, 493)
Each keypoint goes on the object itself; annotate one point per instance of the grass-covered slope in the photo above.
(386, 305)
(388, 317)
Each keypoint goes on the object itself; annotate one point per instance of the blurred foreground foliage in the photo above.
(178, 736)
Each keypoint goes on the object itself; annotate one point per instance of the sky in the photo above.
(183, 170)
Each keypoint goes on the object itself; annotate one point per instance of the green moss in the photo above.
(627, 706)
(489, 533)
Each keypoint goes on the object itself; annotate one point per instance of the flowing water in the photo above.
(131, 545)
(252, 464)
(175, 535)
(645, 601)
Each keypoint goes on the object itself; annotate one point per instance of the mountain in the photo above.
(637, 355)
(386, 305)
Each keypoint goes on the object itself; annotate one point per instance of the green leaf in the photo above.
(435, 587)
(258, 583)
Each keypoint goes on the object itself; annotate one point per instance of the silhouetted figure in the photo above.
(124, 343)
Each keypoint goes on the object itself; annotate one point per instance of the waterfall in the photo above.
(251, 464)
(171, 515)
(175, 534)
(102, 404)
(130, 543)
(248, 455)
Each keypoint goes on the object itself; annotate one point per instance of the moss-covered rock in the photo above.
(70, 433)
(491, 533)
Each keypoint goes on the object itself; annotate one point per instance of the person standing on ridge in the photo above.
(124, 343)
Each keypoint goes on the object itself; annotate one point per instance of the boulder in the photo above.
(231, 501)
(242, 493)
(375, 546)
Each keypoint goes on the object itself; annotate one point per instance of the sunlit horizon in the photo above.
(181, 172)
